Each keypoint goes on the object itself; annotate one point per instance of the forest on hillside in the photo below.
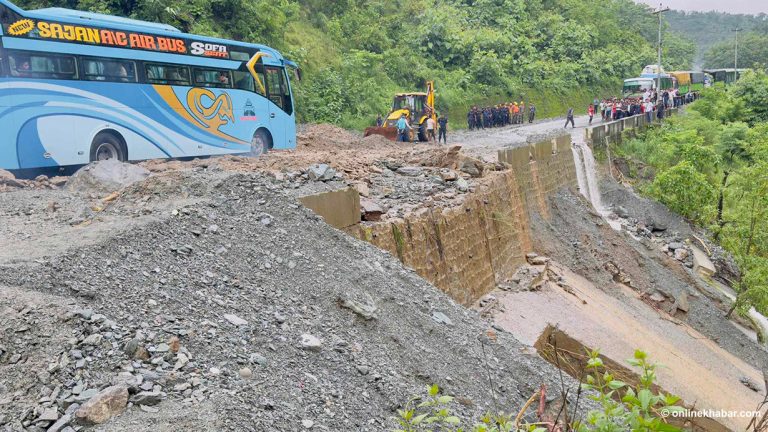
(714, 36)
(711, 166)
(355, 54)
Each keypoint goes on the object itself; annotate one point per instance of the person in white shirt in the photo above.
(648, 108)
(431, 129)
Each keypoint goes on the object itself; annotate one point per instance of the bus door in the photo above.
(281, 118)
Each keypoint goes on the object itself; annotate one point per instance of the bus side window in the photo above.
(109, 70)
(167, 74)
(42, 66)
(213, 78)
(244, 81)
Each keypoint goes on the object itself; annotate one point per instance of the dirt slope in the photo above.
(243, 248)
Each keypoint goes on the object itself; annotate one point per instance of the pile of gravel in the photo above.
(243, 311)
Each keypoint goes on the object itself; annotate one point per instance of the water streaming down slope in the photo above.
(586, 174)
(580, 176)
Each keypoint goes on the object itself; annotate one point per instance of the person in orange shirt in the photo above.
(516, 111)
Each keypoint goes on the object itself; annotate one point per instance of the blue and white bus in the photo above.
(76, 87)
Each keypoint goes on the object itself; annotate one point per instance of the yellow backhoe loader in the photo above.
(417, 107)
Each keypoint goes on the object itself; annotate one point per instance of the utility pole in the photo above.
(658, 13)
(736, 54)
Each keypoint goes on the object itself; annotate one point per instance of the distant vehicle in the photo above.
(725, 76)
(691, 80)
(635, 87)
(79, 87)
(417, 107)
(652, 70)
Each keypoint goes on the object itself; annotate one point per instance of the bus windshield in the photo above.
(634, 86)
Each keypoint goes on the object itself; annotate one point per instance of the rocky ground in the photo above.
(204, 297)
(245, 312)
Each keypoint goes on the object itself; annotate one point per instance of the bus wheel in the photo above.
(259, 143)
(107, 146)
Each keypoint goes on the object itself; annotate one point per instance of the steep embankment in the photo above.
(238, 310)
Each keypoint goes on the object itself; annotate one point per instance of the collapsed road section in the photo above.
(208, 292)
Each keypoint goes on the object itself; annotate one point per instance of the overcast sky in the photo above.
(730, 6)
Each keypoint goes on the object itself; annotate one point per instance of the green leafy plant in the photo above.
(624, 408)
(433, 413)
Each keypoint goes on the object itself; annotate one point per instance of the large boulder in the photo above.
(104, 405)
(106, 176)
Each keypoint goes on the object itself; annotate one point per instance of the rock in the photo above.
(311, 343)
(461, 184)
(61, 423)
(656, 226)
(681, 302)
(363, 189)
(675, 246)
(107, 403)
(174, 343)
(681, 254)
(410, 171)
(472, 167)
(657, 297)
(235, 320)
(321, 172)
(449, 175)
(181, 361)
(48, 415)
(182, 387)
(85, 314)
(131, 346)
(86, 395)
(537, 260)
(441, 318)
(147, 398)
(701, 263)
(258, 359)
(370, 210)
(308, 424)
(246, 373)
(93, 340)
(365, 310)
(621, 212)
(106, 177)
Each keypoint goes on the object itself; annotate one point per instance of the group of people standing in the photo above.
(649, 103)
(435, 131)
(500, 115)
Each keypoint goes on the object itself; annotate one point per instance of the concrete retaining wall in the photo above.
(466, 251)
(339, 208)
(613, 132)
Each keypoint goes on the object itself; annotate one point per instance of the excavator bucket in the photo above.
(387, 132)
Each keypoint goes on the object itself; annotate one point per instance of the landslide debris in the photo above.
(237, 310)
